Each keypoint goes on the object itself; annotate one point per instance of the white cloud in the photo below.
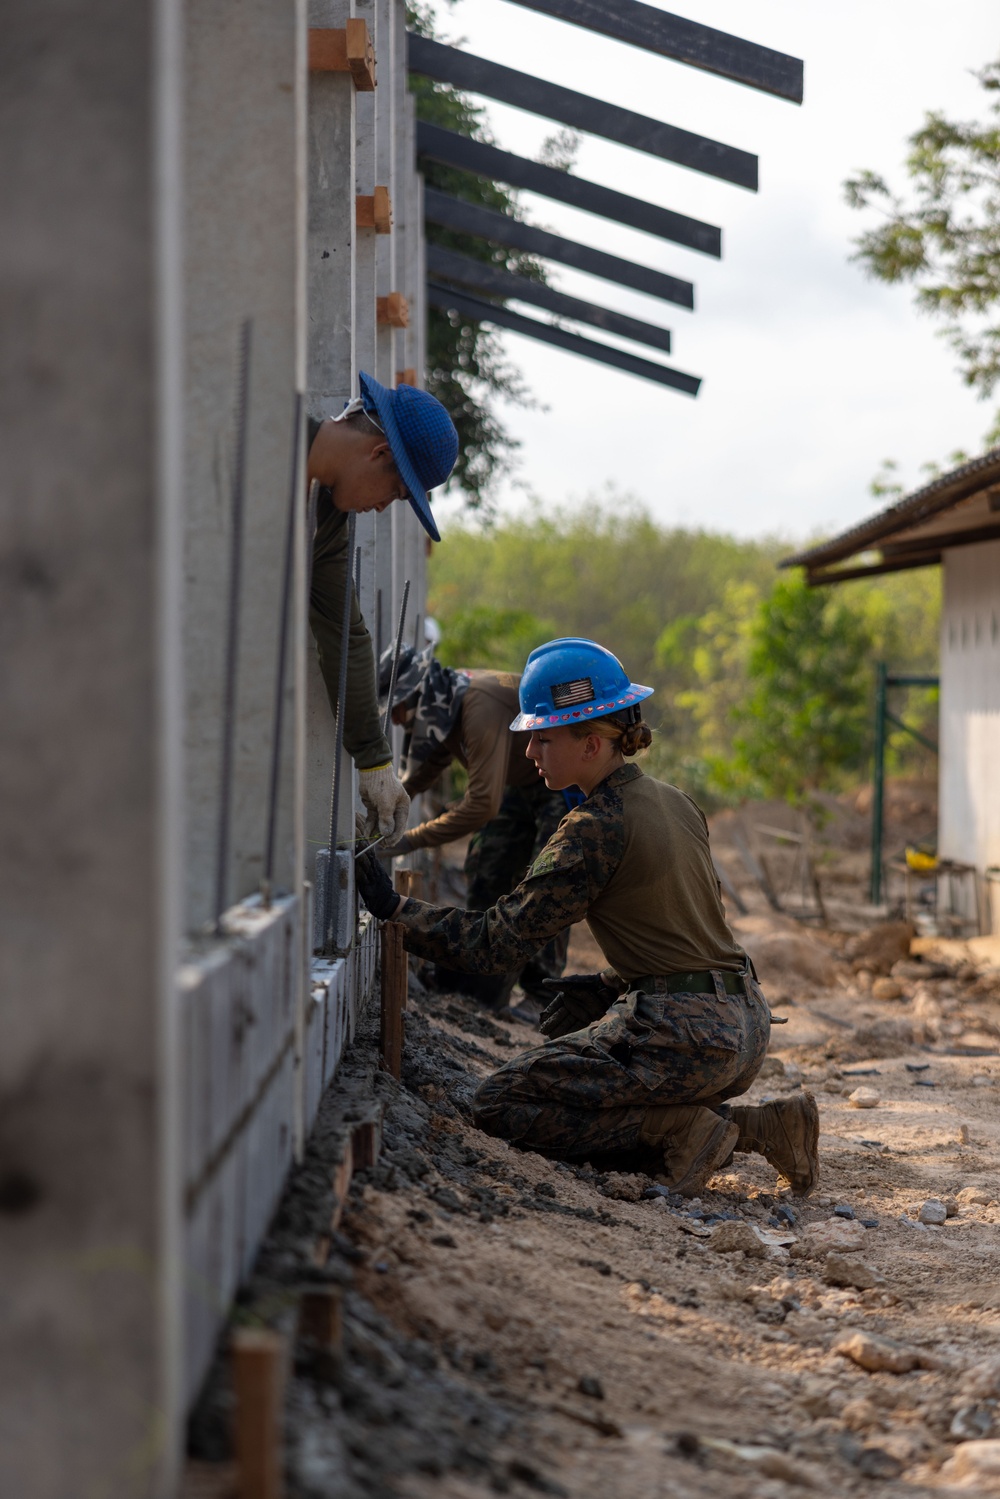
(812, 373)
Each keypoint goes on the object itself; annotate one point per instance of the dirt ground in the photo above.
(516, 1325)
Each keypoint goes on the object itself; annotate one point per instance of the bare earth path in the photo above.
(515, 1325)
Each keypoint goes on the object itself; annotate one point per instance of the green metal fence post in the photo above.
(878, 793)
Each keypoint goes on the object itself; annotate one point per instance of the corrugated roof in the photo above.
(942, 493)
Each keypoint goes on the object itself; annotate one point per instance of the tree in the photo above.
(946, 238)
(466, 366)
(805, 723)
(500, 639)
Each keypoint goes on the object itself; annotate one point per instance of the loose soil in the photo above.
(516, 1325)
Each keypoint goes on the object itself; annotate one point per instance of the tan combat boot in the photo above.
(786, 1133)
(694, 1142)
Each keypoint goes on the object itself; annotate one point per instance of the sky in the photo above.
(813, 373)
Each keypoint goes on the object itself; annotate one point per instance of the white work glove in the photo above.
(386, 803)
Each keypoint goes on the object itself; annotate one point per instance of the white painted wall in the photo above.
(970, 706)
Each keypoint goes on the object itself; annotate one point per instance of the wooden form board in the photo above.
(393, 997)
(447, 297)
(344, 49)
(479, 275)
(374, 211)
(580, 111)
(682, 40)
(469, 218)
(455, 150)
(392, 311)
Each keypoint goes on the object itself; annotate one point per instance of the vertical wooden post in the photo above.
(320, 1318)
(366, 1141)
(259, 1365)
(404, 881)
(393, 997)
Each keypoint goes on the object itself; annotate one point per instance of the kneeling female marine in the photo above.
(643, 1056)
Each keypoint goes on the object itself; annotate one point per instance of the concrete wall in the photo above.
(156, 1080)
(243, 213)
(970, 706)
(90, 522)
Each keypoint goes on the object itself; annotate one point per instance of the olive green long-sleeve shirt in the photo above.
(494, 758)
(363, 736)
(633, 860)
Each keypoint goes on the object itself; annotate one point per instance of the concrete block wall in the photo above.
(160, 1071)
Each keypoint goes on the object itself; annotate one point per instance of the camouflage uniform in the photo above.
(508, 811)
(499, 856)
(634, 861)
(584, 1096)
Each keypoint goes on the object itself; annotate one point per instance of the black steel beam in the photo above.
(683, 40)
(465, 71)
(469, 218)
(456, 150)
(448, 265)
(448, 299)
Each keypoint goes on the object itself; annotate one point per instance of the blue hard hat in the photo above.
(422, 437)
(570, 680)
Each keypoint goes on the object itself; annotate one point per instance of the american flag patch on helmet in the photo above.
(565, 694)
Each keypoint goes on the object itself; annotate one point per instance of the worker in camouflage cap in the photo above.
(509, 814)
(643, 1056)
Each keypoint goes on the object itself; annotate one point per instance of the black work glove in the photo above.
(582, 998)
(375, 886)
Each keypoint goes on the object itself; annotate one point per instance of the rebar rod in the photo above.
(331, 905)
(311, 513)
(232, 625)
(395, 657)
(279, 685)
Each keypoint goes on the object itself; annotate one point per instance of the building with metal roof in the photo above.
(954, 523)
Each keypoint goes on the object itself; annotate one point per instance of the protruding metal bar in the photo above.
(378, 625)
(311, 513)
(395, 657)
(685, 41)
(446, 297)
(331, 911)
(469, 218)
(279, 681)
(231, 667)
(481, 276)
(456, 150)
(462, 69)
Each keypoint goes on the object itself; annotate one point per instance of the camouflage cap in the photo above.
(413, 668)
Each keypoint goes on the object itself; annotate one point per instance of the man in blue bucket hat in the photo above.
(385, 445)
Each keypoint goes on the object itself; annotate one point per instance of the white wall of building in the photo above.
(970, 707)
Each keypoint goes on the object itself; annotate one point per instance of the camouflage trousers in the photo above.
(583, 1096)
(499, 856)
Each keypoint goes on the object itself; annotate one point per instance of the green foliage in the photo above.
(804, 722)
(466, 367)
(706, 657)
(946, 239)
(734, 652)
(501, 639)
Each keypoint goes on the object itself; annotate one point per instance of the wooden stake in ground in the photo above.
(320, 1321)
(393, 997)
(259, 1369)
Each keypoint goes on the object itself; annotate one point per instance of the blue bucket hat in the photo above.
(422, 437)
